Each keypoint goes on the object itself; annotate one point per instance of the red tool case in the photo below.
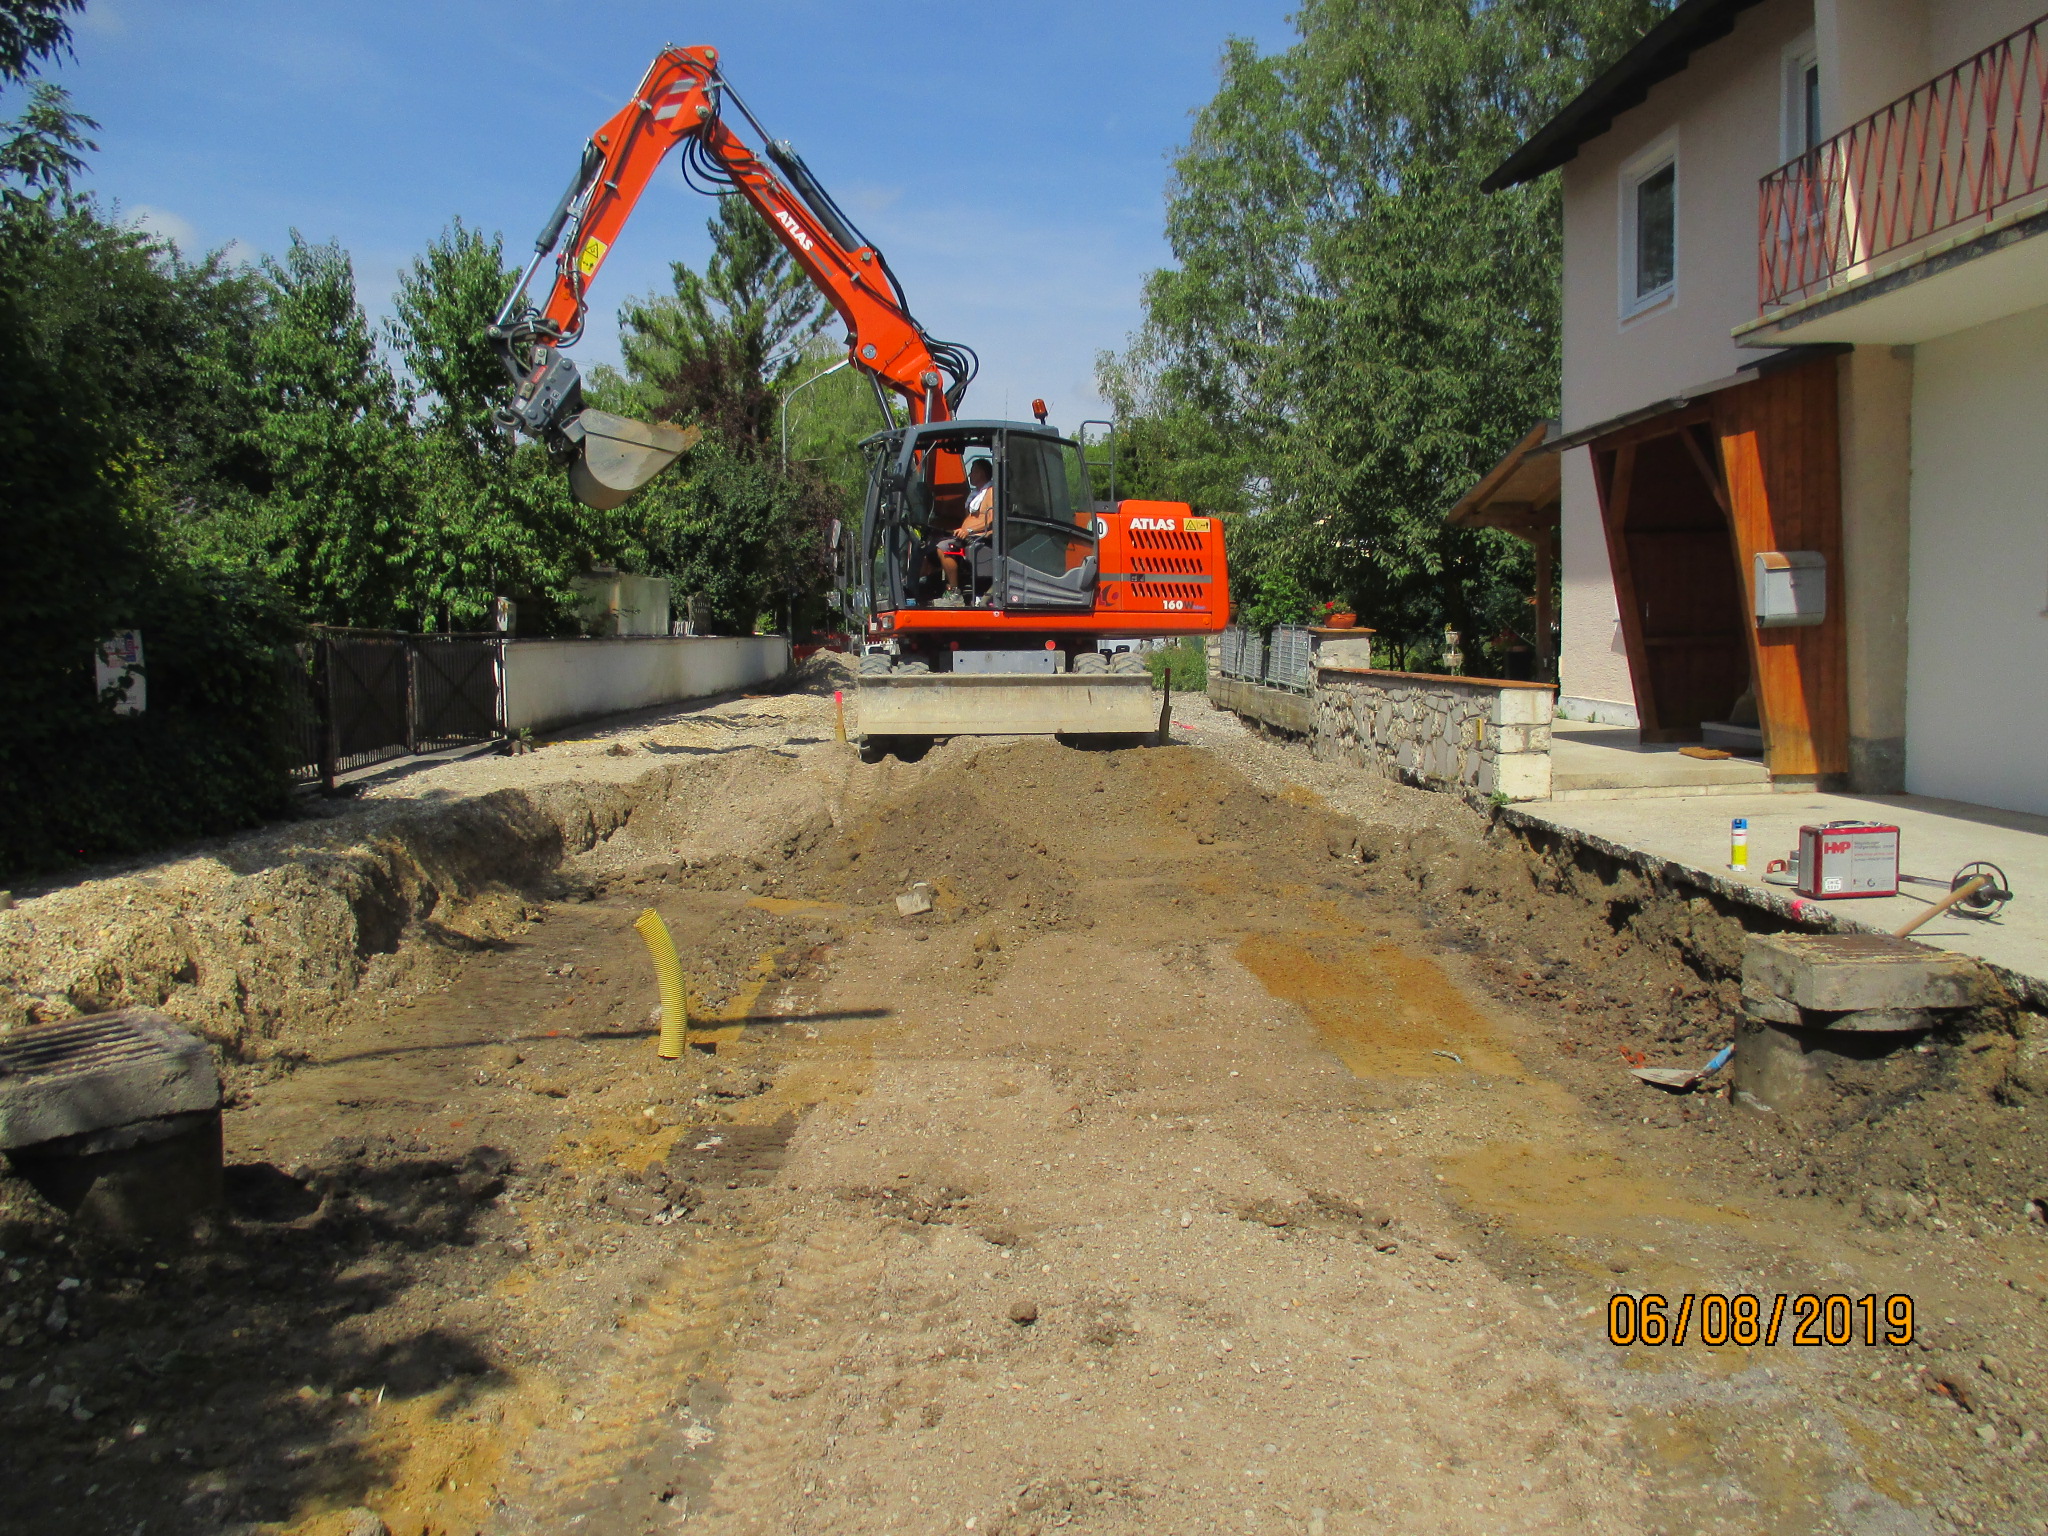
(1848, 858)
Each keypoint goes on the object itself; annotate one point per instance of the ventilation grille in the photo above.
(1164, 539)
(1153, 592)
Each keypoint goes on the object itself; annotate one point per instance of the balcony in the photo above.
(1864, 238)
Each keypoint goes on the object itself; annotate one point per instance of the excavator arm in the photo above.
(682, 102)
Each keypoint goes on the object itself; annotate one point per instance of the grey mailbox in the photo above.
(1791, 588)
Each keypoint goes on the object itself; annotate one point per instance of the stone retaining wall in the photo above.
(1475, 736)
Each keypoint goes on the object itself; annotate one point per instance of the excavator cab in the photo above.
(1042, 554)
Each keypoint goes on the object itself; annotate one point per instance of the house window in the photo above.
(1649, 230)
(1802, 130)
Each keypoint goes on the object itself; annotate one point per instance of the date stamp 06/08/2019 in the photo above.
(1715, 1319)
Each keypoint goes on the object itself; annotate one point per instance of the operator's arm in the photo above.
(981, 513)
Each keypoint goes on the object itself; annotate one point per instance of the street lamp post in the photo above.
(807, 383)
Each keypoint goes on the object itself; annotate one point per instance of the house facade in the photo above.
(1804, 426)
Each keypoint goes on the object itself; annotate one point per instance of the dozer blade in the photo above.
(616, 455)
(1007, 704)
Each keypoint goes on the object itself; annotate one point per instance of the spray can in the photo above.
(1738, 844)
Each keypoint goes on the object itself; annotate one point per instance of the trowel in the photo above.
(1681, 1079)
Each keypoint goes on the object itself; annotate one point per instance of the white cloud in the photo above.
(103, 20)
(166, 225)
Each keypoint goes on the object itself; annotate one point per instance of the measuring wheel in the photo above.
(1987, 900)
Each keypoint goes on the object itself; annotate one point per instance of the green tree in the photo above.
(1353, 332)
(731, 530)
(334, 520)
(489, 518)
(827, 420)
(32, 31)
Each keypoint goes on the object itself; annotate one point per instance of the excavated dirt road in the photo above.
(1191, 1168)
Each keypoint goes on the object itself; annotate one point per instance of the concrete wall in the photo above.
(1726, 110)
(1872, 52)
(551, 682)
(1976, 725)
(1591, 655)
(1469, 735)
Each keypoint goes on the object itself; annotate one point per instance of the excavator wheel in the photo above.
(912, 668)
(1090, 664)
(874, 664)
(1126, 663)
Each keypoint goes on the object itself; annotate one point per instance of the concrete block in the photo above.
(1769, 1007)
(1855, 972)
(1521, 738)
(1877, 1021)
(1521, 776)
(1523, 706)
(92, 1074)
(1815, 1075)
(1347, 651)
(149, 1179)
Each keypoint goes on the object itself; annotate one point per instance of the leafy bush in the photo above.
(207, 756)
(1185, 663)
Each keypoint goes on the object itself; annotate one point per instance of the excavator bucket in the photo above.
(616, 455)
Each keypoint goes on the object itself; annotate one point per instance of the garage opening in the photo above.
(1682, 596)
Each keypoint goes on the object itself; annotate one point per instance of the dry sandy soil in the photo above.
(1236, 1147)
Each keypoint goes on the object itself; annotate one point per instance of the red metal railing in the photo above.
(1966, 145)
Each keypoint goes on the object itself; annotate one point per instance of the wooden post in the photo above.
(410, 647)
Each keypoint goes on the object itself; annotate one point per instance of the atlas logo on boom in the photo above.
(796, 230)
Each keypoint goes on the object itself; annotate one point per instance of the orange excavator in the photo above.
(964, 633)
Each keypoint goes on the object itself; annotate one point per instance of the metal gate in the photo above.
(455, 692)
(359, 697)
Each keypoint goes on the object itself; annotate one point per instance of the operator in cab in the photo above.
(974, 532)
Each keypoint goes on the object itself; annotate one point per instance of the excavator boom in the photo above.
(682, 102)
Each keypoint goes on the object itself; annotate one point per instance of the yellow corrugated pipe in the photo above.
(675, 1007)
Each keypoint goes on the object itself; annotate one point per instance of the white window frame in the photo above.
(1638, 169)
(1799, 56)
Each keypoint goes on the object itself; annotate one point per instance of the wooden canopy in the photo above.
(1523, 495)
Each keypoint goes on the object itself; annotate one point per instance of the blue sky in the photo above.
(1010, 159)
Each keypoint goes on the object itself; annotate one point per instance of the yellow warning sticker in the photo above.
(593, 253)
(1194, 525)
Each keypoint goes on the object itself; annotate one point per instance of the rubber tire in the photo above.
(1090, 664)
(1126, 664)
(912, 668)
(874, 665)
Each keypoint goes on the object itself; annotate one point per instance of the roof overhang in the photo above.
(1748, 373)
(1665, 50)
(1519, 495)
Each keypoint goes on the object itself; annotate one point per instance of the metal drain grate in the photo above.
(1860, 946)
(111, 1069)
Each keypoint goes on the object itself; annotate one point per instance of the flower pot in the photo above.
(1340, 621)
